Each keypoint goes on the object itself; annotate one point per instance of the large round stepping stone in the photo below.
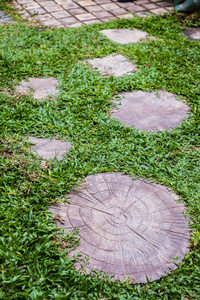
(124, 36)
(117, 65)
(193, 33)
(42, 87)
(47, 148)
(127, 227)
(149, 111)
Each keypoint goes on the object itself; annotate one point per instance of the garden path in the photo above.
(73, 13)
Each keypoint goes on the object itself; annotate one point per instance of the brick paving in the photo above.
(4, 18)
(68, 13)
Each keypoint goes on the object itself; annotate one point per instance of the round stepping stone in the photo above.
(47, 148)
(149, 111)
(124, 36)
(193, 33)
(42, 87)
(127, 227)
(117, 65)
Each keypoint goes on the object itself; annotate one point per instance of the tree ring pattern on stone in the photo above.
(150, 110)
(126, 227)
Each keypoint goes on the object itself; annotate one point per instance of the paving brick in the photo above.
(143, 14)
(129, 6)
(95, 21)
(24, 1)
(68, 21)
(158, 11)
(126, 16)
(24, 14)
(103, 10)
(142, 1)
(136, 8)
(110, 6)
(86, 3)
(94, 8)
(102, 14)
(60, 14)
(50, 6)
(163, 3)
(44, 17)
(77, 11)
(150, 6)
(60, 2)
(78, 24)
(31, 5)
(38, 11)
(70, 5)
(102, 1)
(85, 17)
(51, 22)
(118, 11)
(108, 19)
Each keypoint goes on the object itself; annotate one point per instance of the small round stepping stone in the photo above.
(193, 33)
(124, 36)
(127, 227)
(42, 87)
(149, 111)
(117, 65)
(47, 148)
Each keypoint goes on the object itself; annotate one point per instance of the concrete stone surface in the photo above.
(127, 227)
(87, 11)
(117, 65)
(47, 148)
(193, 33)
(4, 18)
(42, 87)
(124, 36)
(149, 111)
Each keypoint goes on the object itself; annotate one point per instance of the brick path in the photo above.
(68, 13)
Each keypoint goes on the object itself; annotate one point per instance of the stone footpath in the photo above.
(68, 13)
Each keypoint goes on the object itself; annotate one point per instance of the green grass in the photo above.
(33, 262)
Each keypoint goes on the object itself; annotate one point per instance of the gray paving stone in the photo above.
(127, 227)
(143, 14)
(193, 33)
(42, 87)
(117, 65)
(148, 111)
(47, 148)
(124, 36)
(4, 18)
(80, 10)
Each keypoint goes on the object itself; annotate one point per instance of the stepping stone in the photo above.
(127, 227)
(4, 18)
(193, 33)
(47, 148)
(117, 65)
(149, 111)
(42, 87)
(124, 36)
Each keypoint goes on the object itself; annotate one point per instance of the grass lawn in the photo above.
(32, 252)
